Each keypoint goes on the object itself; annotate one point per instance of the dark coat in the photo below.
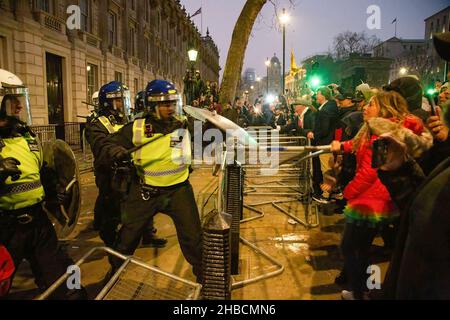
(325, 123)
(420, 264)
(308, 125)
(230, 114)
(350, 122)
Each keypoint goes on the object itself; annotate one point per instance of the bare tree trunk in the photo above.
(236, 53)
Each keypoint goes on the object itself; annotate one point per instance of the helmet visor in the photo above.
(16, 103)
(127, 105)
(121, 104)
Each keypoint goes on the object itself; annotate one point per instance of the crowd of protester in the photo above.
(388, 174)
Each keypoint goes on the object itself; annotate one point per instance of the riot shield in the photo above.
(63, 205)
(222, 123)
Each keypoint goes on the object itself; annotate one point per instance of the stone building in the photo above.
(437, 23)
(363, 68)
(417, 56)
(131, 41)
(275, 76)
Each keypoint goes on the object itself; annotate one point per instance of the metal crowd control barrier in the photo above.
(136, 280)
(292, 179)
(230, 181)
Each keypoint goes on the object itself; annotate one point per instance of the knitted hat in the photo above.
(410, 89)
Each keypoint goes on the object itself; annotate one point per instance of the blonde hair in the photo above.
(392, 105)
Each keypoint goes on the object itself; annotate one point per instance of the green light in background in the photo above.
(431, 92)
(315, 82)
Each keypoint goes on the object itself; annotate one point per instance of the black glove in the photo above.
(120, 154)
(61, 194)
(9, 168)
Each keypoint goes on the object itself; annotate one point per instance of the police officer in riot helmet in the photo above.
(25, 229)
(113, 113)
(114, 102)
(162, 163)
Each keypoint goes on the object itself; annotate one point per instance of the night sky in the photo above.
(312, 27)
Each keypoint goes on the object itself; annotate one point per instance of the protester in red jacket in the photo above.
(369, 204)
(7, 269)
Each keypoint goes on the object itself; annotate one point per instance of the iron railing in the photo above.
(70, 132)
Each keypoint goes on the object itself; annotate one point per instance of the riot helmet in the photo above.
(114, 100)
(15, 101)
(95, 99)
(139, 103)
(162, 99)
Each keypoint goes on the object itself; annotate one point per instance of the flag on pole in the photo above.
(395, 20)
(199, 11)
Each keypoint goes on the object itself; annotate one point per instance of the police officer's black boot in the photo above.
(150, 239)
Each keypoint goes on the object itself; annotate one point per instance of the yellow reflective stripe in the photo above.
(137, 137)
(25, 191)
(107, 124)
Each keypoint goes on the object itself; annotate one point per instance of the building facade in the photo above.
(275, 77)
(437, 23)
(417, 56)
(395, 47)
(130, 41)
(363, 68)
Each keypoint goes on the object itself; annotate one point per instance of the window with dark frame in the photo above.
(118, 76)
(44, 5)
(133, 41)
(112, 28)
(85, 14)
(92, 80)
(136, 86)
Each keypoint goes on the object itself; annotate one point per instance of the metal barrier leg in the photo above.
(280, 270)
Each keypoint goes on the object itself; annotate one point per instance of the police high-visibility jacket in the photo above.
(112, 128)
(28, 190)
(165, 161)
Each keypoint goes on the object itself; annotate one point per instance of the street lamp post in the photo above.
(284, 20)
(267, 78)
(192, 54)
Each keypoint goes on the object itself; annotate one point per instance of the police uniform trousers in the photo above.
(106, 210)
(178, 202)
(35, 241)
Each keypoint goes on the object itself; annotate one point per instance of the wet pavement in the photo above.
(310, 257)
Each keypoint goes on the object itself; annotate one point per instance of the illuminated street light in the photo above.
(284, 19)
(192, 55)
(252, 87)
(258, 79)
(267, 78)
(403, 71)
